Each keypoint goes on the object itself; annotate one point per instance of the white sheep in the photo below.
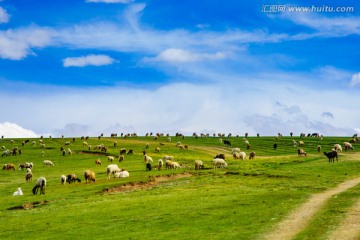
(348, 146)
(121, 174)
(160, 164)
(337, 147)
(175, 165)
(219, 162)
(111, 169)
(40, 183)
(69, 151)
(48, 163)
(111, 158)
(147, 159)
(242, 155)
(178, 144)
(18, 192)
(89, 176)
(234, 150)
(63, 179)
(169, 139)
(167, 157)
(198, 164)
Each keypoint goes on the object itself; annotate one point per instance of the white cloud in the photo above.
(180, 55)
(110, 1)
(4, 16)
(17, 44)
(89, 60)
(355, 80)
(12, 130)
(327, 115)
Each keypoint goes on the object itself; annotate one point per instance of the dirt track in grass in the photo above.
(298, 220)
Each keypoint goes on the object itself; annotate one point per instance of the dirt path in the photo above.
(349, 229)
(298, 220)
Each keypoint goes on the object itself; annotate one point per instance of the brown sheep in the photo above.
(7, 167)
(157, 149)
(89, 176)
(28, 177)
(252, 155)
(97, 162)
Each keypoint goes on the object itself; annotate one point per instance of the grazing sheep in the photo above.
(89, 176)
(147, 159)
(71, 178)
(348, 146)
(48, 163)
(5, 153)
(235, 150)
(331, 156)
(168, 164)
(199, 165)
(219, 162)
(294, 143)
(275, 146)
(160, 164)
(227, 143)
(178, 144)
(168, 139)
(18, 192)
(7, 167)
(28, 176)
(40, 183)
(121, 174)
(318, 148)
(111, 158)
(175, 165)
(63, 179)
(148, 166)
(97, 162)
(242, 155)
(337, 147)
(69, 151)
(111, 169)
(130, 152)
(221, 155)
(147, 145)
(236, 155)
(301, 144)
(157, 149)
(167, 157)
(301, 152)
(25, 166)
(122, 151)
(252, 155)
(121, 158)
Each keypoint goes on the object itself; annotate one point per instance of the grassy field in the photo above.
(243, 201)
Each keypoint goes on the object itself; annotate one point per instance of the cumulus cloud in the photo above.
(355, 80)
(4, 16)
(89, 60)
(110, 1)
(180, 55)
(12, 130)
(17, 44)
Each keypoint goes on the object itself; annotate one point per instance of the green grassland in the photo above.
(243, 201)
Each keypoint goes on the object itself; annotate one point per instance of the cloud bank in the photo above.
(89, 60)
(12, 130)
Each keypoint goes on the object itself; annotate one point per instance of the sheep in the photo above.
(130, 152)
(348, 146)
(168, 139)
(63, 179)
(121, 174)
(147, 145)
(7, 167)
(71, 178)
(175, 165)
(48, 163)
(111, 158)
(199, 165)
(89, 176)
(242, 155)
(111, 169)
(24, 166)
(235, 150)
(40, 183)
(168, 164)
(167, 157)
(178, 144)
(85, 144)
(331, 156)
(18, 192)
(160, 164)
(301, 144)
(97, 162)
(221, 155)
(337, 147)
(147, 159)
(319, 148)
(294, 143)
(301, 152)
(227, 143)
(122, 151)
(236, 155)
(5, 153)
(28, 176)
(121, 158)
(219, 162)
(148, 166)
(275, 146)
(69, 151)
(252, 155)
(157, 149)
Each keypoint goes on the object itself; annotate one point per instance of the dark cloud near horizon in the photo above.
(327, 115)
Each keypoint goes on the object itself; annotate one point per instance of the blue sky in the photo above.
(102, 66)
